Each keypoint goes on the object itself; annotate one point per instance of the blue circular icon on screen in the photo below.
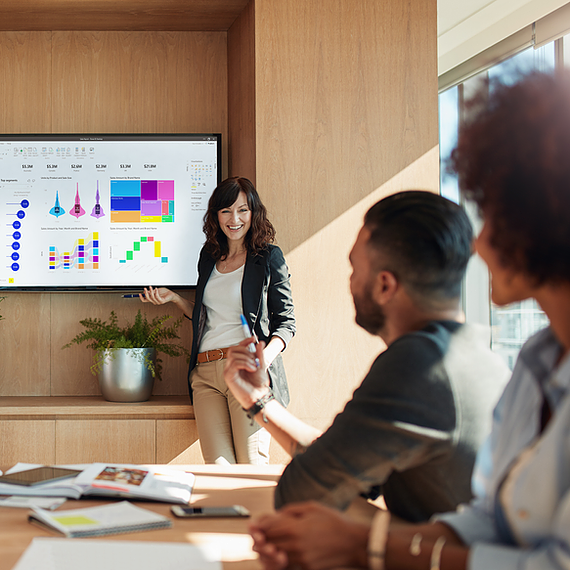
(24, 203)
(21, 214)
(16, 235)
(16, 245)
(15, 256)
(17, 225)
(15, 267)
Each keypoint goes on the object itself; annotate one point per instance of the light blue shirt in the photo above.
(520, 516)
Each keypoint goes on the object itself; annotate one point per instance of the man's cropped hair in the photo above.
(426, 240)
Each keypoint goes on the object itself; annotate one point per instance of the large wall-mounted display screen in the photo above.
(84, 212)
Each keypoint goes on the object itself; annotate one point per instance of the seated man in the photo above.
(413, 426)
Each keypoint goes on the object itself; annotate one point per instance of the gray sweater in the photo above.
(413, 427)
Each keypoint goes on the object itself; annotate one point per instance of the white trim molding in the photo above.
(469, 28)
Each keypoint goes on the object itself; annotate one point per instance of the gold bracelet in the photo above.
(377, 540)
(435, 559)
(415, 545)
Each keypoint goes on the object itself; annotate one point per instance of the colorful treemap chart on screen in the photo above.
(142, 201)
(87, 211)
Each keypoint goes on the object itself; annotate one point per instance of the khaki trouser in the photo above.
(226, 433)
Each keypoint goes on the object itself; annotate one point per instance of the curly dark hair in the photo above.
(226, 193)
(513, 161)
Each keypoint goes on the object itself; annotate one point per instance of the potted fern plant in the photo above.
(127, 358)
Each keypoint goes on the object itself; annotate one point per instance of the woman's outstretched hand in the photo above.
(157, 296)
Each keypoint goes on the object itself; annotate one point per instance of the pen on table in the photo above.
(248, 334)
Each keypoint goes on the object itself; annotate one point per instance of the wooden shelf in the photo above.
(93, 408)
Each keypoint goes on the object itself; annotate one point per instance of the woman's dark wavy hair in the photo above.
(226, 193)
(513, 161)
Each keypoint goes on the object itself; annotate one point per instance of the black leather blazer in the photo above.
(267, 306)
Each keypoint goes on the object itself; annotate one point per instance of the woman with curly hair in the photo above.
(240, 271)
(513, 161)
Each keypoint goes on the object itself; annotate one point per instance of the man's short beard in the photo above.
(369, 315)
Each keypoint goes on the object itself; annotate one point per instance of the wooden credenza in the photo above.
(59, 430)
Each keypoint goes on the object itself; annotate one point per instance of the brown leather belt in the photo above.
(212, 355)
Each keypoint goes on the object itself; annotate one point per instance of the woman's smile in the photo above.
(235, 220)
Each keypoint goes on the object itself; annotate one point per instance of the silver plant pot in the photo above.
(124, 376)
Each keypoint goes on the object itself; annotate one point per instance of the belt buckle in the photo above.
(215, 360)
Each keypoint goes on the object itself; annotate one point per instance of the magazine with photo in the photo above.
(137, 482)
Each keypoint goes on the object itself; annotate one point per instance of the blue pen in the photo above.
(130, 295)
(247, 333)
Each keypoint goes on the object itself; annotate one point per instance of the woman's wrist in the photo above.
(183, 304)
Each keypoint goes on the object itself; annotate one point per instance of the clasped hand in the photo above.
(309, 536)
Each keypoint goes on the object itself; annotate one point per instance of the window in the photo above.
(512, 325)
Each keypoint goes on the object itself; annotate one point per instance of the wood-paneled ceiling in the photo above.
(167, 15)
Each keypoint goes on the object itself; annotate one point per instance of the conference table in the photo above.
(247, 485)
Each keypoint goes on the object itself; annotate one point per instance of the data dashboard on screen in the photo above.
(83, 212)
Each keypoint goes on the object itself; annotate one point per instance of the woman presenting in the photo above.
(239, 272)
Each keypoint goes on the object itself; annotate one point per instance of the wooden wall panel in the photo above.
(241, 94)
(28, 441)
(25, 341)
(70, 374)
(346, 112)
(117, 441)
(346, 97)
(277, 455)
(177, 442)
(25, 86)
(140, 82)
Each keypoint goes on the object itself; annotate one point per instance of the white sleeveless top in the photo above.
(222, 299)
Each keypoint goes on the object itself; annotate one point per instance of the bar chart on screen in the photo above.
(83, 255)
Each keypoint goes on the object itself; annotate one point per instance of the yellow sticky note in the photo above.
(73, 520)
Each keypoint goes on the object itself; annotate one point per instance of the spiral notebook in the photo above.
(116, 518)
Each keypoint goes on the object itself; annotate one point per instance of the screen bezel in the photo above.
(86, 137)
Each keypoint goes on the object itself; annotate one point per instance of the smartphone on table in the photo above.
(209, 512)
